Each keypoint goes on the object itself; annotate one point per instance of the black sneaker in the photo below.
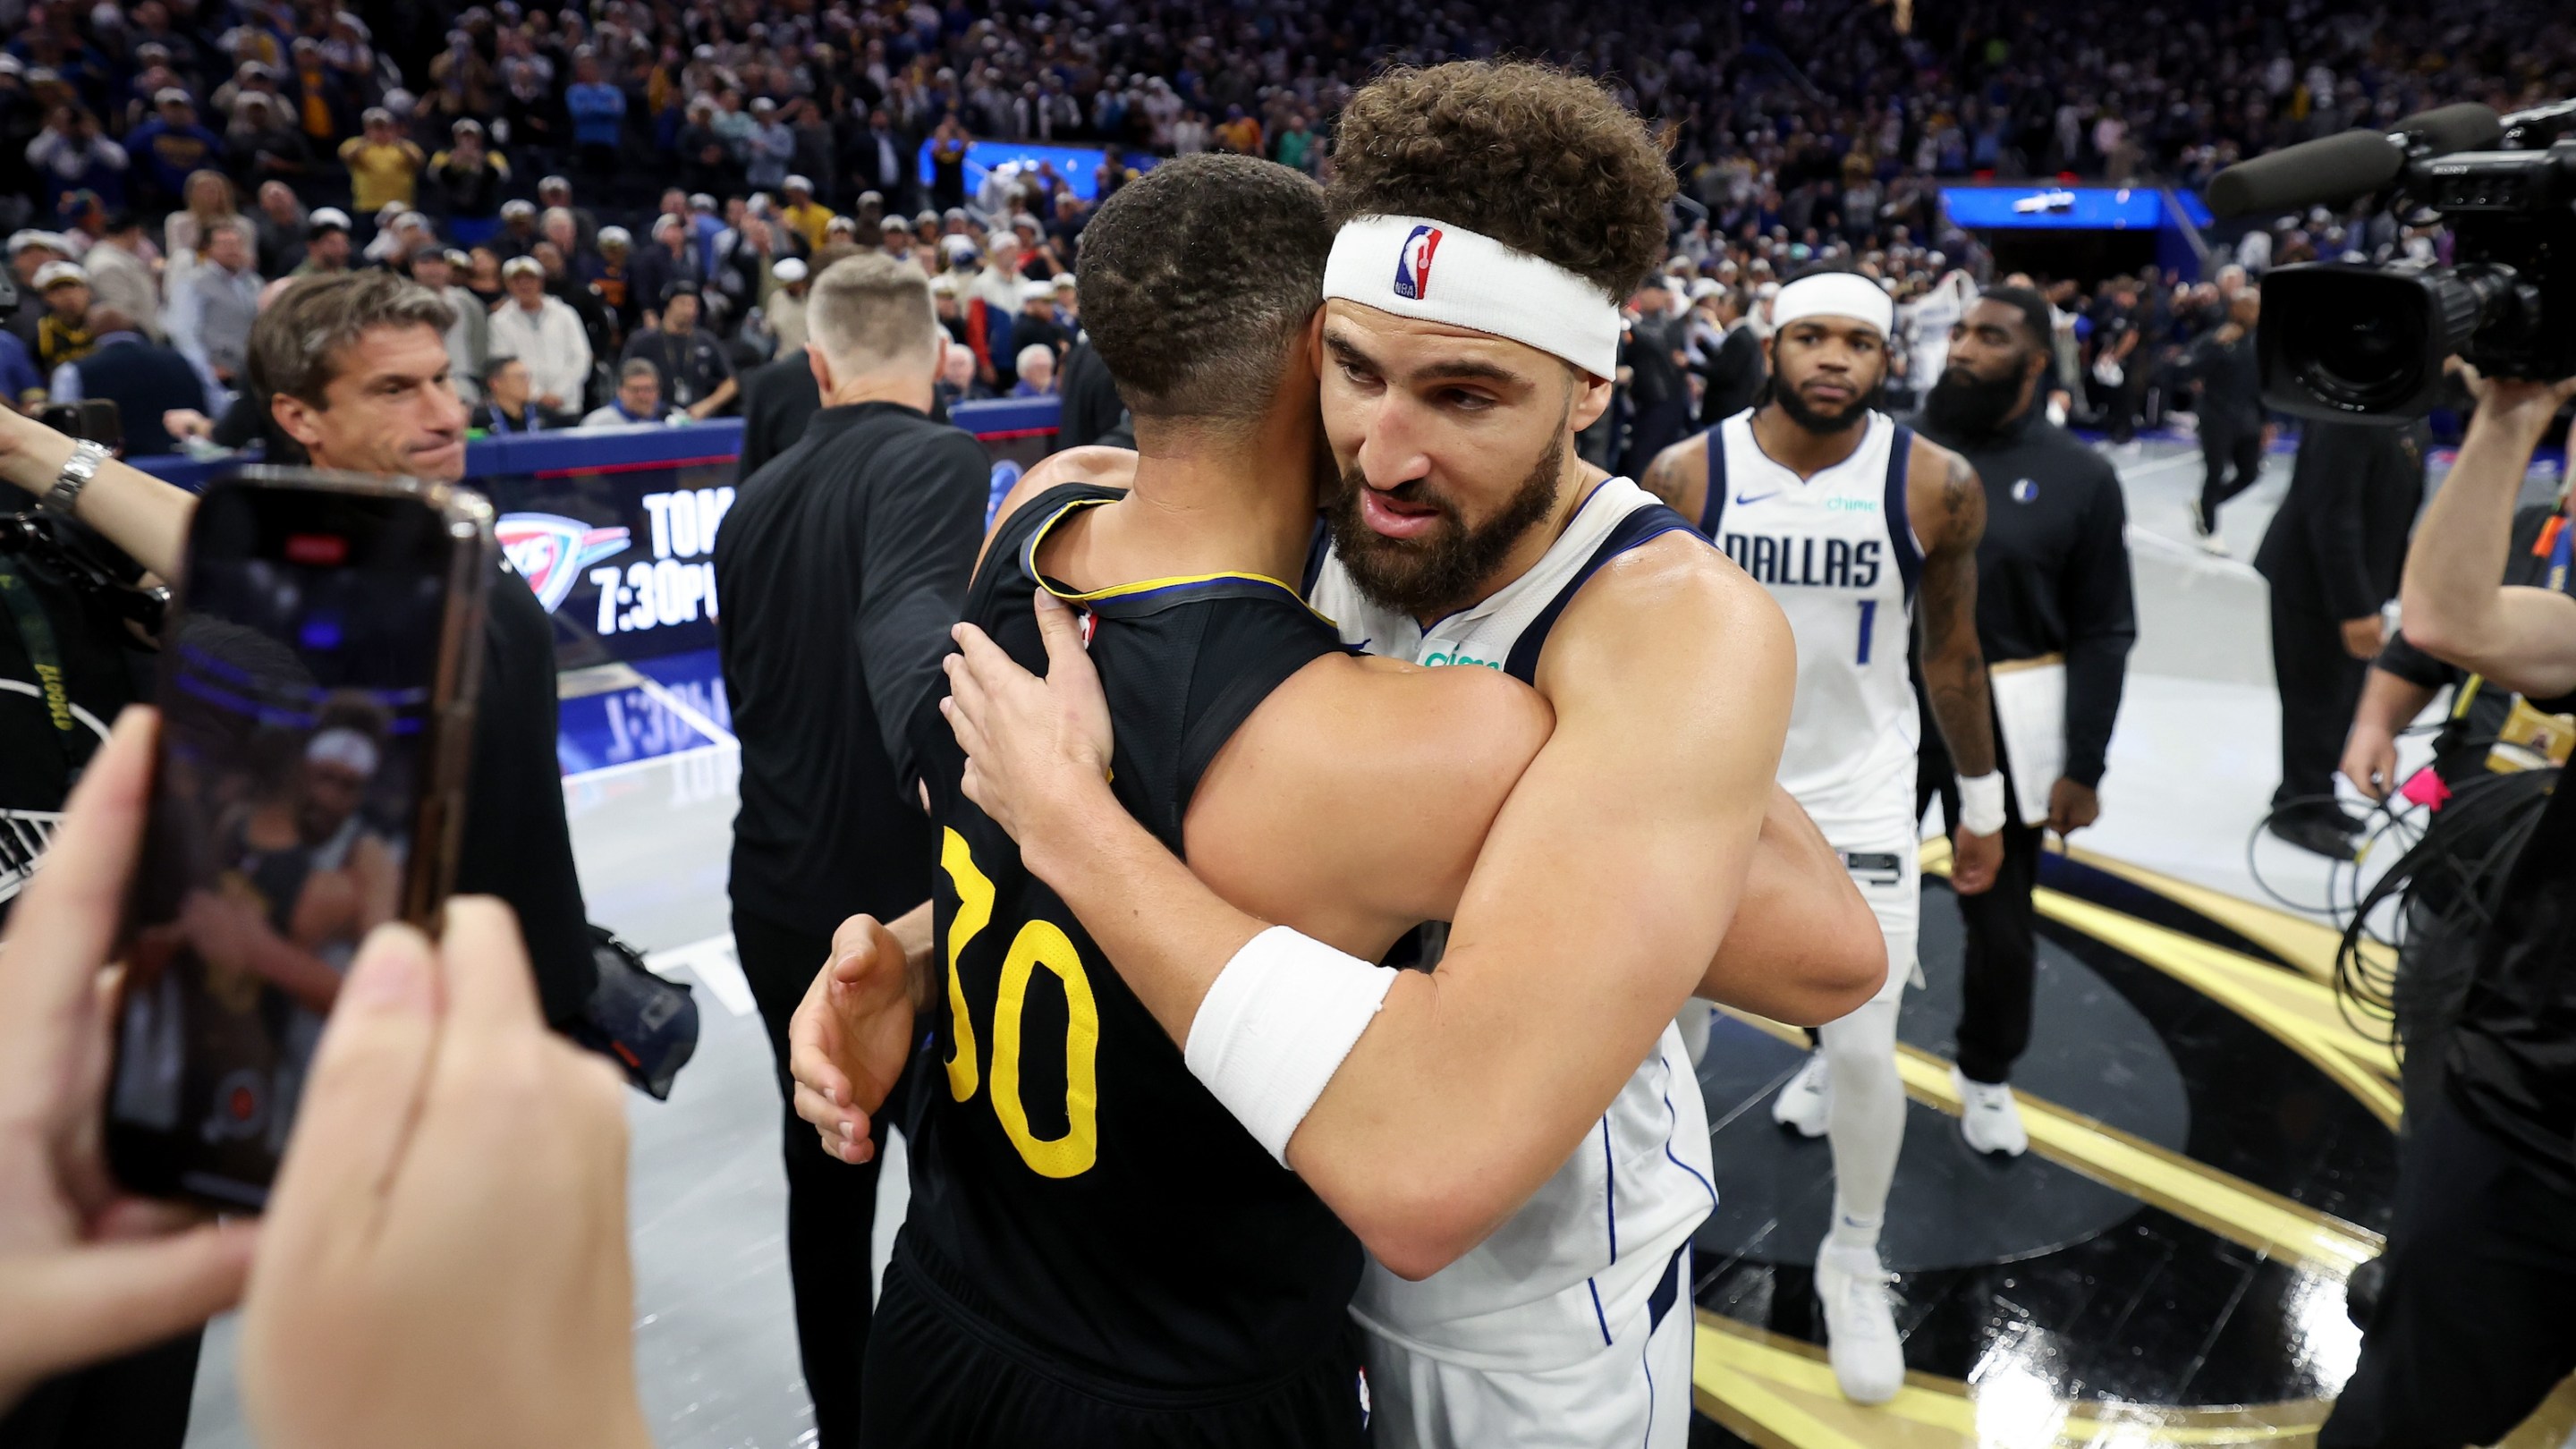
(2315, 834)
(647, 1024)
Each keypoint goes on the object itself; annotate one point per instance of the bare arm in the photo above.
(1948, 508)
(1595, 906)
(2523, 638)
(134, 510)
(1804, 948)
(1679, 476)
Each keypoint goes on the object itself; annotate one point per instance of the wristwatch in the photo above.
(78, 469)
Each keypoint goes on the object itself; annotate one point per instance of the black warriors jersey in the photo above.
(1072, 1184)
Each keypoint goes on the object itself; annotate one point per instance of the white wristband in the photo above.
(1275, 1026)
(1981, 803)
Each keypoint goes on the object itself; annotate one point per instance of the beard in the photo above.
(1827, 424)
(1437, 572)
(1966, 406)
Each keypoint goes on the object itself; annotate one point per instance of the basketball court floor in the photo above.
(2212, 1143)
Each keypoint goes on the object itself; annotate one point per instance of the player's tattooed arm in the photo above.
(1679, 476)
(1948, 505)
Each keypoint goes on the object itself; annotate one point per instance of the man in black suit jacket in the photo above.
(2333, 555)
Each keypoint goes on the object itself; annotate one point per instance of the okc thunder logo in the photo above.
(1413, 263)
(550, 551)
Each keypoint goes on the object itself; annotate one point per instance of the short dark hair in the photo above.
(297, 344)
(1542, 160)
(1195, 278)
(2035, 315)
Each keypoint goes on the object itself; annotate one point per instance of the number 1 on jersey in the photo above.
(1868, 626)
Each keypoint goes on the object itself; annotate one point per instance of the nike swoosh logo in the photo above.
(1742, 501)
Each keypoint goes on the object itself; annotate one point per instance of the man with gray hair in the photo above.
(838, 570)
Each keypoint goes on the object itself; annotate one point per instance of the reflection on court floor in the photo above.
(2212, 1153)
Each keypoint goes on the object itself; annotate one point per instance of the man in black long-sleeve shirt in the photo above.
(2231, 414)
(2052, 586)
(2333, 556)
(840, 568)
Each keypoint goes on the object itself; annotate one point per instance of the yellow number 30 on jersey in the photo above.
(1039, 943)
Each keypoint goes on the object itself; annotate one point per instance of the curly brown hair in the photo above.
(1540, 159)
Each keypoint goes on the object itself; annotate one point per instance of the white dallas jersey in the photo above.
(1595, 1247)
(1839, 554)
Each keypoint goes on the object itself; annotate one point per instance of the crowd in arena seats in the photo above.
(562, 176)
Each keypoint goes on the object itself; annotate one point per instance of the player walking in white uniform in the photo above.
(1845, 516)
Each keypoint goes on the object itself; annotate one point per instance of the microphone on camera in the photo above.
(2338, 168)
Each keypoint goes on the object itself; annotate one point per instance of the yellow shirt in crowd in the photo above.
(381, 175)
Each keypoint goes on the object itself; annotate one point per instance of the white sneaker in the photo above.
(1860, 1323)
(2216, 547)
(1808, 1100)
(1988, 1117)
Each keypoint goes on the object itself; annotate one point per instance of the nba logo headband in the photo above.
(1429, 270)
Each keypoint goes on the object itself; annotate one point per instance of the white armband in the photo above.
(1981, 803)
(1275, 1026)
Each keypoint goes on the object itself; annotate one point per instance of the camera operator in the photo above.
(2467, 1336)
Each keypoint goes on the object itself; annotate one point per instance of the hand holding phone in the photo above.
(317, 688)
(85, 1272)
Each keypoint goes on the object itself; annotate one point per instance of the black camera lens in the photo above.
(2360, 357)
(2350, 341)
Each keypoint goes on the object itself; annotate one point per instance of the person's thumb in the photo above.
(85, 1304)
(1061, 627)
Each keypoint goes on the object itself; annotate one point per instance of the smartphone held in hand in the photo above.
(317, 688)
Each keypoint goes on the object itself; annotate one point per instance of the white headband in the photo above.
(1432, 271)
(1835, 294)
(344, 747)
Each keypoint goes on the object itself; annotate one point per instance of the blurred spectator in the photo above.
(384, 165)
(874, 157)
(948, 164)
(554, 193)
(1037, 324)
(30, 251)
(326, 243)
(544, 333)
(598, 111)
(673, 257)
(638, 398)
(518, 234)
(469, 338)
(483, 277)
(71, 154)
(207, 198)
(172, 147)
(1036, 368)
(685, 356)
(1239, 132)
(507, 406)
(785, 308)
(596, 324)
(143, 378)
(609, 274)
(809, 218)
(211, 312)
(279, 229)
(62, 332)
(957, 382)
(471, 176)
(120, 275)
(1660, 391)
(262, 145)
(769, 147)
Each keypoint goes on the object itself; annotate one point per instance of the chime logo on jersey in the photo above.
(1413, 262)
(1816, 563)
(550, 551)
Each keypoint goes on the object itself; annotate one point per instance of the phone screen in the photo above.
(298, 692)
